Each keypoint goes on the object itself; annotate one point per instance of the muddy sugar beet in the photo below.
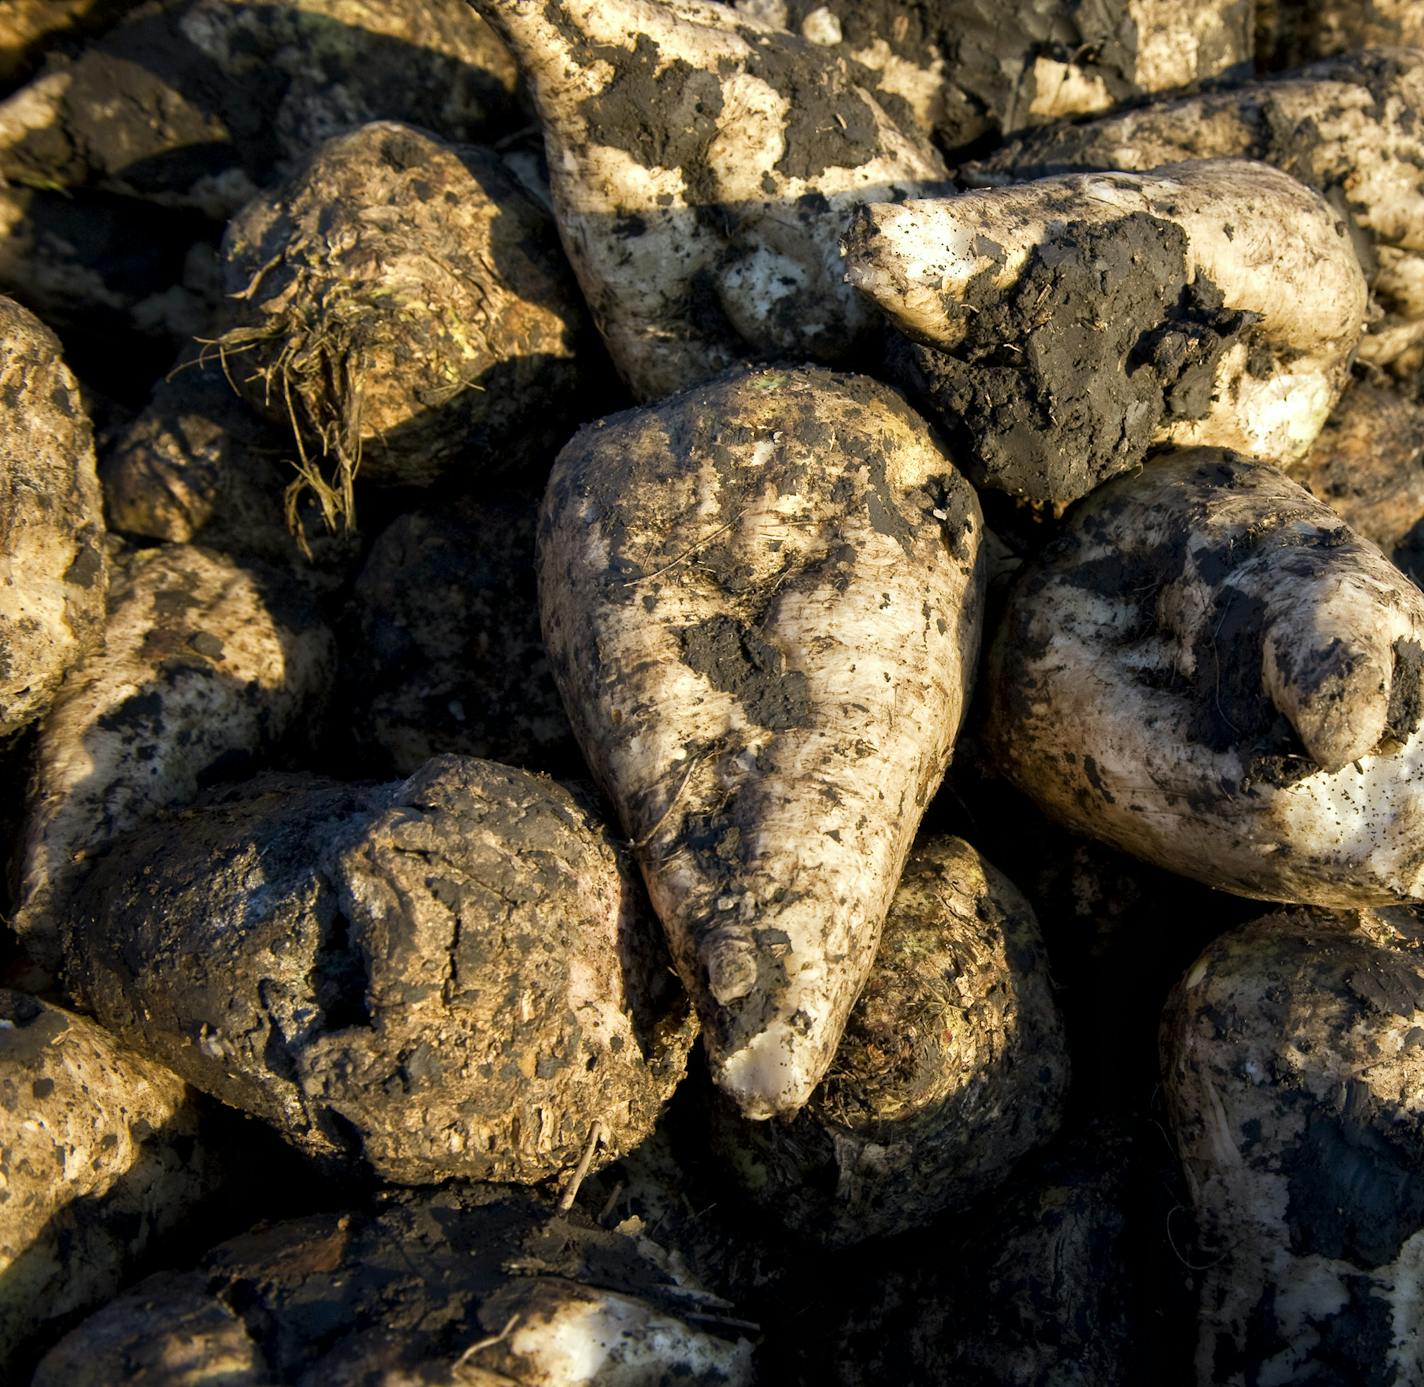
(127, 1141)
(1058, 329)
(197, 464)
(1349, 127)
(478, 1285)
(971, 68)
(762, 601)
(1211, 670)
(702, 164)
(470, 939)
(403, 307)
(1042, 1288)
(1292, 1075)
(206, 665)
(442, 649)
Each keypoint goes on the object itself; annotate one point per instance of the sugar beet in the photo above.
(449, 977)
(951, 1069)
(762, 601)
(54, 570)
(1210, 670)
(401, 306)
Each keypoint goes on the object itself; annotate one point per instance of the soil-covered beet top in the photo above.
(952, 1067)
(454, 977)
(762, 602)
(402, 305)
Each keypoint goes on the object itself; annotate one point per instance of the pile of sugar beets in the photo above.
(702, 693)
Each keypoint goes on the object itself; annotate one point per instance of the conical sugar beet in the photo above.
(702, 164)
(762, 601)
(403, 310)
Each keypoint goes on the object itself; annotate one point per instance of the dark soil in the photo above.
(1062, 381)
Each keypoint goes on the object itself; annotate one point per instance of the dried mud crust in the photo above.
(206, 667)
(637, 111)
(101, 1154)
(745, 590)
(479, 1284)
(1241, 673)
(449, 977)
(198, 104)
(54, 572)
(952, 1066)
(403, 308)
(1064, 380)
(441, 648)
(1292, 1060)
